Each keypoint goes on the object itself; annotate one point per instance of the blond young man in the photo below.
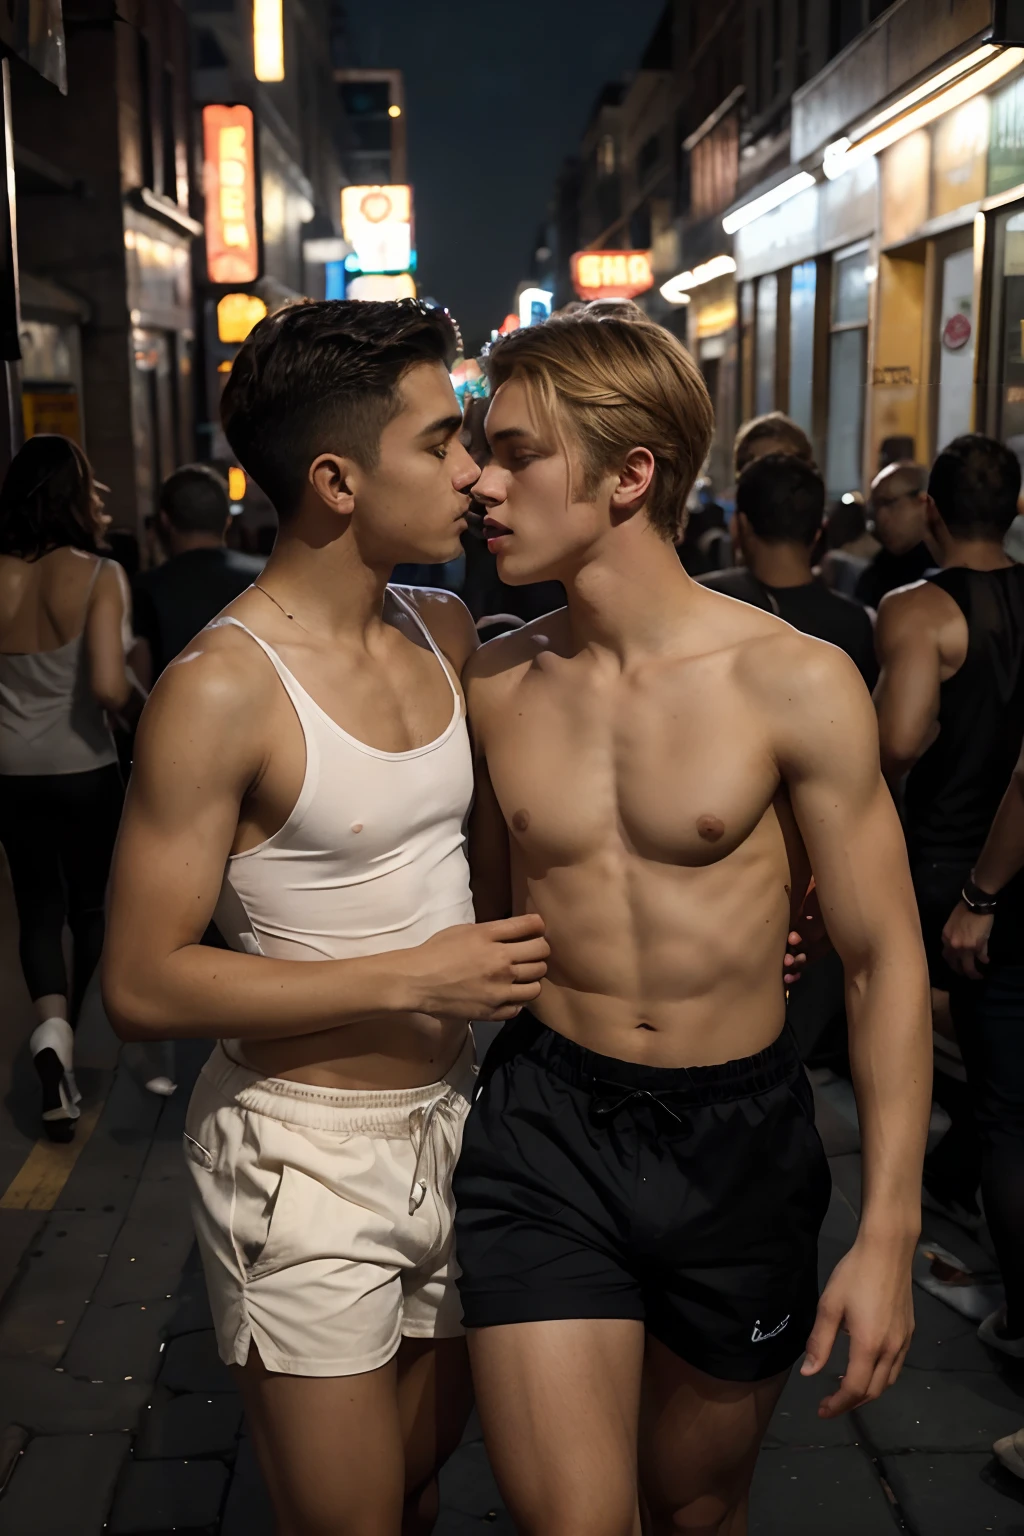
(659, 768)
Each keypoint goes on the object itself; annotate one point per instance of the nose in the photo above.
(467, 471)
(490, 488)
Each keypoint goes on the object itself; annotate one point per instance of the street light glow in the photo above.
(394, 110)
(748, 212)
(268, 39)
(676, 290)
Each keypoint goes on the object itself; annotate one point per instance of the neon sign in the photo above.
(229, 177)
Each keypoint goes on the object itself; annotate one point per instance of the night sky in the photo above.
(497, 93)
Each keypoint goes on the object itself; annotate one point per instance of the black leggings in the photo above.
(58, 832)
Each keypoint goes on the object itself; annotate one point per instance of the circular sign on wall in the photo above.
(956, 333)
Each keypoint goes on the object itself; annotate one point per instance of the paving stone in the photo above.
(192, 1309)
(943, 1339)
(247, 1511)
(60, 1272)
(168, 1495)
(191, 1364)
(833, 1490)
(942, 1411)
(796, 1422)
(18, 1230)
(119, 1343)
(147, 1260)
(63, 1485)
(105, 1175)
(194, 1424)
(964, 1495)
(52, 1402)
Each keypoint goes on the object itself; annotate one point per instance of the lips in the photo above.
(494, 529)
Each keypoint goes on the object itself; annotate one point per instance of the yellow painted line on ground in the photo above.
(38, 1184)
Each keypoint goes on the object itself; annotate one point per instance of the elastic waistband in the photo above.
(740, 1079)
(379, 1112)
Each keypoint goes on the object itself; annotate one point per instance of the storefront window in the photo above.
(767, 315)
(1011, 382)
(847, 364)
(956, 347)
(803, 289)
(1006, 141)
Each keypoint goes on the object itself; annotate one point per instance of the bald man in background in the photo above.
(898, 505)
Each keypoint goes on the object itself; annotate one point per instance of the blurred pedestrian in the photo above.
(201, 575)
(849, 547)
(899, 510)
(951, 718)
(62, 672)
(773, 433)
(780, 504)
(983, 941)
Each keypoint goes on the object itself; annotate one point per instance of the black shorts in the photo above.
(689, 1199)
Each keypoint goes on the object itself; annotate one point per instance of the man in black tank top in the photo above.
(951, 720)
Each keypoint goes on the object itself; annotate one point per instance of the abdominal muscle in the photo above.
(664, 965)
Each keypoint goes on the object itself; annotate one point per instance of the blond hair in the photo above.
(617, 384)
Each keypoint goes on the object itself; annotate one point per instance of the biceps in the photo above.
(859, 858)
(908, 705)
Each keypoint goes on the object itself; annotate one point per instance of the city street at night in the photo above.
(512, 767)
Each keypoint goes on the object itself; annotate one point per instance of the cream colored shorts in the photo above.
(324, 1216)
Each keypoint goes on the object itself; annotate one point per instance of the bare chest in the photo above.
(674, 769)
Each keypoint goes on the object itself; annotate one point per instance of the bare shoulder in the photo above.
(809, 694)
(908, 612)
(448, 619)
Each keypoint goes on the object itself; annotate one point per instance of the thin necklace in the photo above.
(274, 600)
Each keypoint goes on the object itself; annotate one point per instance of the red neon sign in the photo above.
(612, 274)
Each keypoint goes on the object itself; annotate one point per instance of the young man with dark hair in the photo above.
(780, 505)
(174, 601)
(641, 1185)
(303, 772)
(951, 717)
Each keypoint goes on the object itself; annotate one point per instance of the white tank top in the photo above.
(373, 855)
(50, 722)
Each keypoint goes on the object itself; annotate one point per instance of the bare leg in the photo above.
(330, 1449)
(559, 1402)
(52, 1005)
(699, 1440)
(359, 1455)
(435, 1395)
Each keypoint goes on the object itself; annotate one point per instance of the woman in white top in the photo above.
(62, 668)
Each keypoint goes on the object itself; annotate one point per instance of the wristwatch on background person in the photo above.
(977, 900)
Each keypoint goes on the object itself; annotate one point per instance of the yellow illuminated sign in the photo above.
(612, 274)
(237, 313)
(268, 39)
(236, 483)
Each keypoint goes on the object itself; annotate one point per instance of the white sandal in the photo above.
(52, 1046)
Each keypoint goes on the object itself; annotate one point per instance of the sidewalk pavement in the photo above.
(116, 1414)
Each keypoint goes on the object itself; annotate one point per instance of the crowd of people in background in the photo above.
(917, 582)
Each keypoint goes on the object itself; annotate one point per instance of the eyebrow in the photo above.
(509, 432)
(446, 424)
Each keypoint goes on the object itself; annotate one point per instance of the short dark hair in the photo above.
(975, 484)
(782, 498)
(323, 377)
(776, 426)
(46, 499)
(195, 499)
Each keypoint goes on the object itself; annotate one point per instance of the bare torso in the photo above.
(650, 829)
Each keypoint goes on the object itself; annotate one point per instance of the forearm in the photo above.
(200, 992)
(1003, 854)
(888, 1007)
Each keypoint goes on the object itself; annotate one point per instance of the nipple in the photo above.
(521, 821)
(357, 826)
(710, 828)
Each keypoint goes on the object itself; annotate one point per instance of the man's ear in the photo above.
(331, 478)
(634, 484)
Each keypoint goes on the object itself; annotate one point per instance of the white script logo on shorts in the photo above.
(757, 1337)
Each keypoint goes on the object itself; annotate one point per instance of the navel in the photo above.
(521, 821)
(710, 828)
